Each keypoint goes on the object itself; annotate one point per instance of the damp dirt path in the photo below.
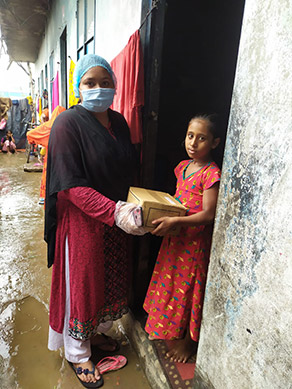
(25, 361)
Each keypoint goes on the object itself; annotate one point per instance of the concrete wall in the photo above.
(246, 332)
(116, 21)
(63, 14)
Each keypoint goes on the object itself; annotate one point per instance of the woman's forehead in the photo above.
(96, 72)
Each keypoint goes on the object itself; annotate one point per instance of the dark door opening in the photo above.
(199, 41)
(63, 56)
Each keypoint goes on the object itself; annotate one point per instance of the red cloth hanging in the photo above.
(129, 69)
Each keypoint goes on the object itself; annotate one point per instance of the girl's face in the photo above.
(96, 77)
(199, 141)
(9, 133)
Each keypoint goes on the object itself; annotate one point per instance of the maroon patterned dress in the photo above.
(175, 295)
(98, 262)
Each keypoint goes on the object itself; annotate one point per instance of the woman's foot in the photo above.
(104, 342)
(182, 349)
(150, 337)
(88, 367)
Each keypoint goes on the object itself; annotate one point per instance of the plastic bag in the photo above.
(124, 218)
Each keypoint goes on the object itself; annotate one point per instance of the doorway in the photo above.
(198, 43)
(201, 40)
(63, 57)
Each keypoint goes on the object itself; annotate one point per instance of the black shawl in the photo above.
(82, 152)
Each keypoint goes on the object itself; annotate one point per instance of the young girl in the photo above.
(8, 143)
(175, 295)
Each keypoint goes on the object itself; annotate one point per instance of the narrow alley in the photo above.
(158, 66)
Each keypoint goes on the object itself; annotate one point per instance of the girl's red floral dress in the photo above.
(175, 295)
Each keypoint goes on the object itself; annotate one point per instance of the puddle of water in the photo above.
(34, 365)
(25, 361)
(22, 249)
(23, 270)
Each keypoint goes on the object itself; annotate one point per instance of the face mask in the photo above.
(98, 99)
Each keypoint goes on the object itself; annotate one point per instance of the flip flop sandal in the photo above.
(111, 363)
(107, 343)
(79, 370)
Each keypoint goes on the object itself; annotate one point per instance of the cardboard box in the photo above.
(155, 205)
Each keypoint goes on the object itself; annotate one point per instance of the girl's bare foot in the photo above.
(150, 337)
(87, 377)
(182, 349)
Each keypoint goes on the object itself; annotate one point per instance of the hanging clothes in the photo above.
(30, 100)
(5, 105)
(18, 116)
(129, 69)
(55, 92)
(3, 123)
(37, 104)
(40, 106)
(72, 99)
(24, 107)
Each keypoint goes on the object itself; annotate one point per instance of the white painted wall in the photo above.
(116, 21)
(246, 331)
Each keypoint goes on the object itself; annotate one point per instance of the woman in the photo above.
(90, 167)
(40, 136)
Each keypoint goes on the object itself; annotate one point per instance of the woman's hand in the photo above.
(164, 225)
(124, 218)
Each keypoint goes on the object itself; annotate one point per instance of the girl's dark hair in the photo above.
(210, 120)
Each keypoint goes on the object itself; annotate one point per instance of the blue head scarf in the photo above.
(87, 62)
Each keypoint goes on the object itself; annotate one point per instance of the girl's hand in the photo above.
(164, 225)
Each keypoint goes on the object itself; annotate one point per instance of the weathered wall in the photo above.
(246, 332)
(63, 14)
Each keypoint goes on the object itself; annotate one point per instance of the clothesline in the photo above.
(155, 4)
